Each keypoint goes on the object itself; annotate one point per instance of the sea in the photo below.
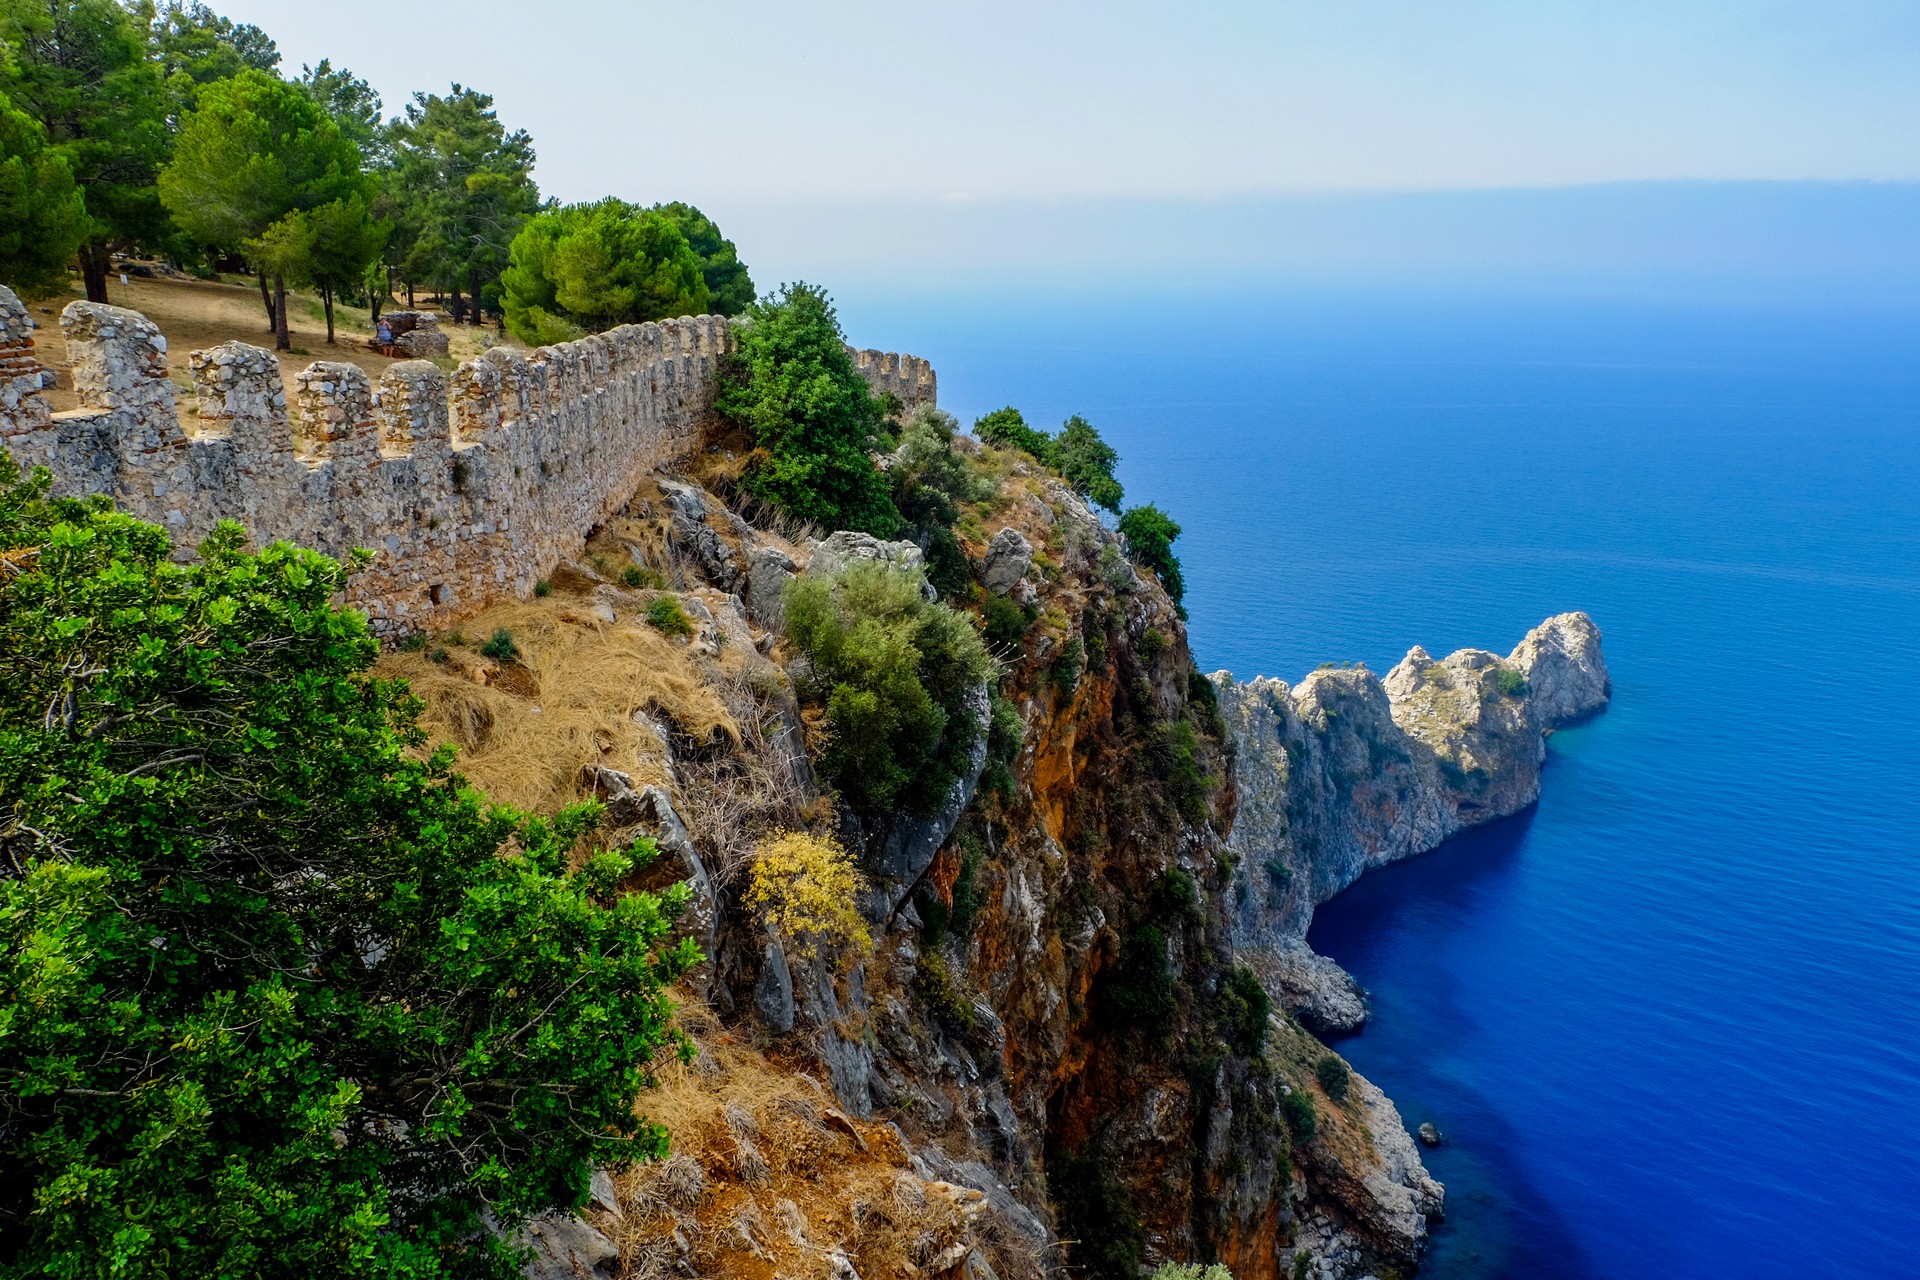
(1669, 1019)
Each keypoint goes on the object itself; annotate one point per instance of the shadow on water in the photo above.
(1383, 930)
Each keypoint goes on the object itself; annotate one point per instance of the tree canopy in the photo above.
(585, 268)
(278, 995)
(43, 214)
(81, 69)
(1150, 534)
(792, 385)
(729, 287)
(462, 187)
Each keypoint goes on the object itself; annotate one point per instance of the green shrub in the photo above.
(1153, 643)
(501, 647)
(968, 896)
(640, 578)
(930, 484)
(1095, 1215)
(1150, 536)
(1006, 733)
(894, 674)
(268, 977)
(1191, 1271)
(1065, 672)
(1138, 992)
(1243, 1007)
(1182, 895)
(1510, 682)
(1333, 1076)
(542, 589)
(1087, 462)
(1006, 428)
(1296, 1108)
(1175, 753)
(943, 997)
(413, 642)
(792, 386)
(1004, 623)
(667, 615)
(1279, 873)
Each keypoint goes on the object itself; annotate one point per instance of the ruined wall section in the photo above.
(908, 377)
(468, 487)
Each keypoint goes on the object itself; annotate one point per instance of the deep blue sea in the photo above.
(1670, 1019)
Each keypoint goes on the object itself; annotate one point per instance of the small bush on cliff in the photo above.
(807, 890)
(1296, 1107)
(1150, 534)
(1008, 429)
(1095, 1215)
(930, 482)
(667, 615)
(1243, 1007)
(895, 675)
(792, 386)
(1333, 1076)
(1087, 461)
(1510, 682)
(500, 646)
(277, 995)
(1138, 992)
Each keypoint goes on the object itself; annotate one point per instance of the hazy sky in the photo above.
(745, 101)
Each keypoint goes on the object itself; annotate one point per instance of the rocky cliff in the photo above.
(1347, 772)
(1060, 1052)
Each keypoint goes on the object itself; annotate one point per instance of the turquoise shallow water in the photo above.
(1668, 1018)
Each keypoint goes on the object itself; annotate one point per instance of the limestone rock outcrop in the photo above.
(1347, 772)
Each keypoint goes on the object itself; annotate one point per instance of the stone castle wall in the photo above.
(469, 487)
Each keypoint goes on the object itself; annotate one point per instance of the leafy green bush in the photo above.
(930, 481)
(500, 647)
(1175, 753)
(1065, 672)
(1004, 623)
(1190, 1271)
(1087, 461)
(943, 997)
(1006, 428)
(1510, 682)
(1006, 733)
(543, 588)
(792, 386)
(1150, 534)
(1138, 992)
(667, 615)
(279, 996)
(1333, 1076)
(894, 674)
(1297, 1109)
(638, 578)
(1243, 1007)
(1095, 1215)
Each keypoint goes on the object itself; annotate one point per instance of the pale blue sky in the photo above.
(747, 101)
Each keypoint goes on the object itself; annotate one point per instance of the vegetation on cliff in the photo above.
(893, 673)
(816, 424)
(279, 993)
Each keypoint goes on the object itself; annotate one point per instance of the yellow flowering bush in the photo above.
(807, 890)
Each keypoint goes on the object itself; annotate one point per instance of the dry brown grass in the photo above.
(526, 730)
(768, 1178)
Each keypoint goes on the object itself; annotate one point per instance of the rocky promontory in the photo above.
(1348, 771)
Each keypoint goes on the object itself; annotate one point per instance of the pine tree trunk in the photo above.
(326, 300)
(458, 308)
(282, 339)
(94, 261)
(473, 292)
(409, 295)
(266, 300)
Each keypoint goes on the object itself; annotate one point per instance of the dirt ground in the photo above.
(196, 314)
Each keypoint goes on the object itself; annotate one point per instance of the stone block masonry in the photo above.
(469, 487)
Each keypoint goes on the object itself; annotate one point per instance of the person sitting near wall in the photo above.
(383, 338)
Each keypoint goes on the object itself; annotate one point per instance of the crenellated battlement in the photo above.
(468, 487)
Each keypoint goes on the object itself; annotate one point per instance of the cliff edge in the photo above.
(1347, 771)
